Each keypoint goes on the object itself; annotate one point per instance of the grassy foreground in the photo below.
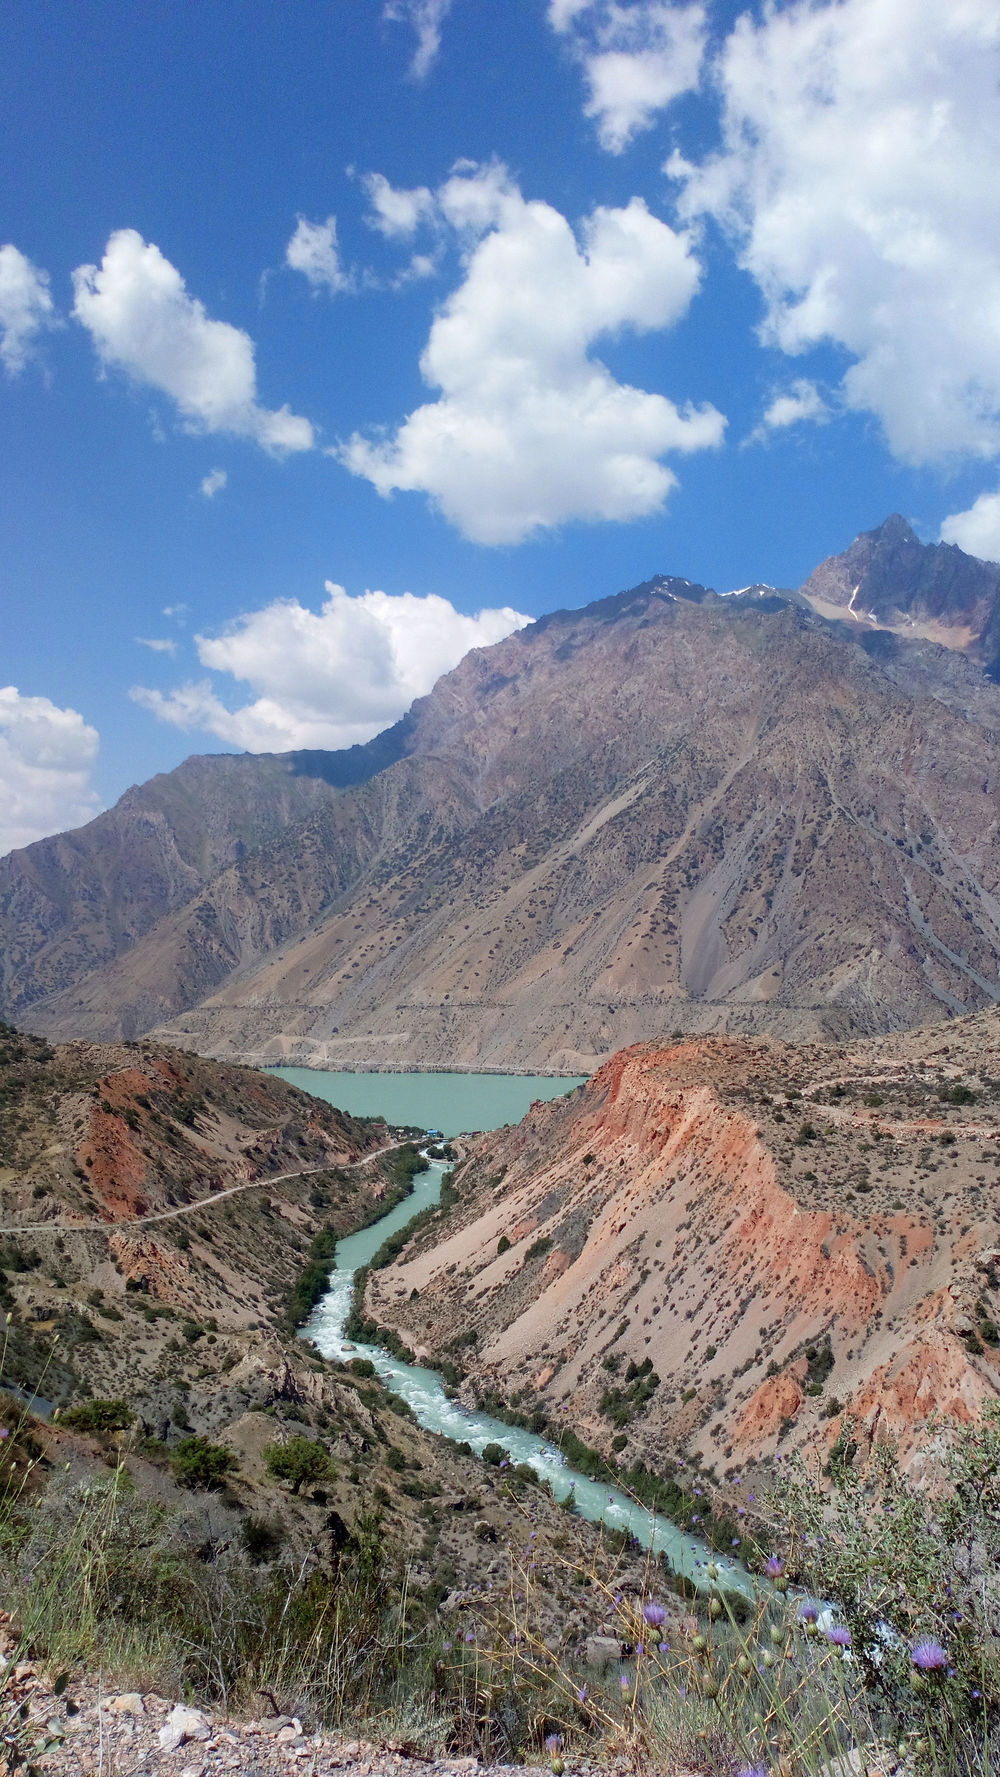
(903, 1671)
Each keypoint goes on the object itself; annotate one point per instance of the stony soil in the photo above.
(122, 1734)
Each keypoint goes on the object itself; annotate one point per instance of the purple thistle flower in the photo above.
(775, 1567)
(664, 1647)
(654, 1614)
(582, 1694)
(809, 1614)
(553, 1742)
(626, 1683)
(839, 1636)
(752, 1771)
(929, 1656)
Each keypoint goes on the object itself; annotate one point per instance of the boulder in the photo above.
(181, 1725)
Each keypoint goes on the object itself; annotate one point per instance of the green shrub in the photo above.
(197, 1463)
(99, 1416)
(302, 1461)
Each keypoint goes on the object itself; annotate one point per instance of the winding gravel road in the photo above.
(184, 1209)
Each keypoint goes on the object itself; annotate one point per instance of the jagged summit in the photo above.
(888, 579)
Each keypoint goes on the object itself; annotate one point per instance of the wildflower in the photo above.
(626, 1682)
(839, 1636)
(582, 1694)
(752, 1771)
(664, 1647)
(929, 1656)
(654, 1614)
(775, 1571)
(553, 1742)
(809, 1613)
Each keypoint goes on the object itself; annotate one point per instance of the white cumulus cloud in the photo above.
(142, 321)
(531, 429)
(426, 18)
(637, 57)
(26, 308)
(977, 530)
(857, 178)
(397, 211)
(328, 678)
(313, 251)
(46, 758)
(802, 401)
(213, 483)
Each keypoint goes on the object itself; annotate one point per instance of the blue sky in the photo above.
(696, 289)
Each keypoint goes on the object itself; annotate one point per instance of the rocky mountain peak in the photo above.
(888, 579)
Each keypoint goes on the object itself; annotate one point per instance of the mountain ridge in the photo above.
(787, 817)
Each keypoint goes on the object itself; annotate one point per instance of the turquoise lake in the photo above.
(453, 1103)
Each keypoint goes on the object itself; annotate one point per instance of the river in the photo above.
(424, 1390)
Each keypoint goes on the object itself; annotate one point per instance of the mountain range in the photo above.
(668, 810)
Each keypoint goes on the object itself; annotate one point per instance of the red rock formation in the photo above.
(774, 1270)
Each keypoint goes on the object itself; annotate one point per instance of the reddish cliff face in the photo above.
(165, 1128)
(781, 1235)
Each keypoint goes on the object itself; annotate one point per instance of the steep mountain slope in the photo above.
(674, 815)
(73, 903)
(730, 1248)
(668, 810)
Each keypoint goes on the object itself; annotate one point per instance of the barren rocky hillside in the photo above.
(729, 1249)
(668, 810)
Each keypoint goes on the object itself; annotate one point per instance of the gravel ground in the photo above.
(133, 1735)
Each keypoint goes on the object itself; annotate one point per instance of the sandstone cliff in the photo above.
(731, 1249)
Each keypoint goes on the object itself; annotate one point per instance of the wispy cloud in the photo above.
(426, 18)
(159, 644)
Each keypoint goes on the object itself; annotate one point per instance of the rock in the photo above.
(485, 1531)
(286, 1734)
(181, 1725)
(129, 1703)
(602, 1650)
